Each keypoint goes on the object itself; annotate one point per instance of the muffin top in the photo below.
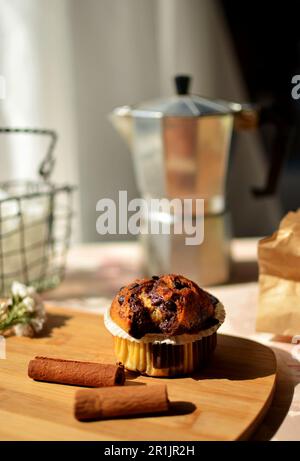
(170, 304)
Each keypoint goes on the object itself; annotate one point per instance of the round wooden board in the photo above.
(225, 402)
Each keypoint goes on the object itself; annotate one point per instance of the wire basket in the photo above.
(35, 225)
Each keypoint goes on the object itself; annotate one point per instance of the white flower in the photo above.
(29, 303)
(19, 290)
(37, 324)
(3, 308)
(24, 311)
(23, 329)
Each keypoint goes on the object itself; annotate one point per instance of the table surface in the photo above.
(96, 271)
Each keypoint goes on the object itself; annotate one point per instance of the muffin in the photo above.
(164, 326)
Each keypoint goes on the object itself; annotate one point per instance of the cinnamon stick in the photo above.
(112, 403)
(74, 372)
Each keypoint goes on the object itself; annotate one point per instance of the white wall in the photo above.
(115, 62)
(35, 60)
(69, 62)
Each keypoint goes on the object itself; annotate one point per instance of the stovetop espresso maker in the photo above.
(180, 147)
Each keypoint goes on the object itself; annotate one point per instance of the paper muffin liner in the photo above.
(162, 356)
(164, 360)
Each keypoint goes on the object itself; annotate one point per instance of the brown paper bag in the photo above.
(279, 279)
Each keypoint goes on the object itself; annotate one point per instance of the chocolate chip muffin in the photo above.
(170, 304)
(164, 326)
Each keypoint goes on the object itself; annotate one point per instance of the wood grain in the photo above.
(225, 402)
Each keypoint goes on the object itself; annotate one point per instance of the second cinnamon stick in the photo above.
(113, 403)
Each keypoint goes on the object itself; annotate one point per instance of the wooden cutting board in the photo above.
(225, 402)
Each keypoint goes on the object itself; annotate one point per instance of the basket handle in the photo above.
(47, 165)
